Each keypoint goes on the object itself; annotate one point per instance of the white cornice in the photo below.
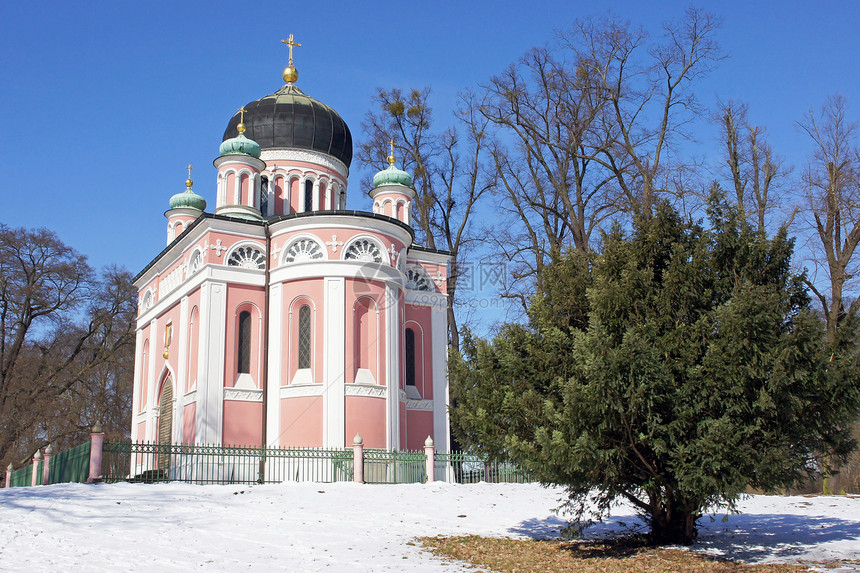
(306, 155)
(416, 256)
(364, 390)
(343, 269)
(350, 222)
(301, 390)
(243, 395)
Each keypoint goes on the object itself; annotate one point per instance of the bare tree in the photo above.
(649, 96)
(832, 182)
(756, 171)
(447, 170)
(67, 341)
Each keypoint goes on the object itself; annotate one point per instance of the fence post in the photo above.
(358, 459)
(37, 457)
(97, 440)
(9, 469)
(430, 459)
(49, 452)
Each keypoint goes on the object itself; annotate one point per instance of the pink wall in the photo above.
(193, 348)
(144, 373)
(296, 294)
(418, 318)
(243, 423)
(241, 298)
(189, 422)
(365, 333)
(365, 416)
(280, 190)
(302, 422)
(419, 425)
(296, 197)
(245, 190)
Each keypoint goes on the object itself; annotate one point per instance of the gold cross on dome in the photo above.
(189, 168)
(291, 43)
(391, 143)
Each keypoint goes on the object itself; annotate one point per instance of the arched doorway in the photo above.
(165, 423)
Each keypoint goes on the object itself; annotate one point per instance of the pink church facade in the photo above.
(283, 319)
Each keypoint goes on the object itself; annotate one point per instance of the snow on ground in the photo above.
(351, 527)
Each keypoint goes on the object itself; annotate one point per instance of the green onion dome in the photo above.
(188, 199)
(240, 145)
(392, 176)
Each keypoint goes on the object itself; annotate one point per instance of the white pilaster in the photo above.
(439, 349)
(138, 380)
(392, 364)
(273, 402)
(210, 381)
(181, 371)
(316, 198)
(334, 319)
(155, 346)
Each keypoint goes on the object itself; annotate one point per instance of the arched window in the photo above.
(243, 358)
(309, 195)
(305, 336)
(264, 196)
(410, 357)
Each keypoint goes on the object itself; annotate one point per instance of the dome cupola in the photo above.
(188, 199)
(392, 175)
(290, 119)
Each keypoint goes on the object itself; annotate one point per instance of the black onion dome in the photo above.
(289, 118)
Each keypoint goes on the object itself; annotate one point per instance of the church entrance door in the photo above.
(165, 423)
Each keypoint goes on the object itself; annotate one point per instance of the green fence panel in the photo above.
(212, 464)
(460, 467)
(22, 477)
(384, 466)
(71, 466)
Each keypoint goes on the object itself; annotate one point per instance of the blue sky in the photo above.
(103, 104)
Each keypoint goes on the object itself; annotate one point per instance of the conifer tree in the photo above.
(675, 370)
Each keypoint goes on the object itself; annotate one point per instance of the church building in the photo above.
(280, 318)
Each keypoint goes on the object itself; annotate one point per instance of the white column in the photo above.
(210, 381)
(392, 363)
(316, 195)
(181, 371)
(334, 320)
(439, 349)
(138, 380)
(155, 346)
(274, 321)
(328, 196)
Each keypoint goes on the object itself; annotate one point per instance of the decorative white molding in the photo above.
(418, 279)
(303, 376)
(189, 397)
(241, 395)
(301, 390)
(292, 154)
(334, 243)
(411, 404)
(218, 248)
(374, 390)
(365, 376)
(304, 248)
(170, 282)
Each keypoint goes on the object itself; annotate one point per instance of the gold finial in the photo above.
(241, 126)
(391, 158)
(290, 72)
(189, 182)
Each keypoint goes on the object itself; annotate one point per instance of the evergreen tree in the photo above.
(674, 370)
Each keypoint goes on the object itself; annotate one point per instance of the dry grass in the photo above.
(608, 556)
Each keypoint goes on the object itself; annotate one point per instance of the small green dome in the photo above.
(188, 199)
(392, 176)
(240, 145)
